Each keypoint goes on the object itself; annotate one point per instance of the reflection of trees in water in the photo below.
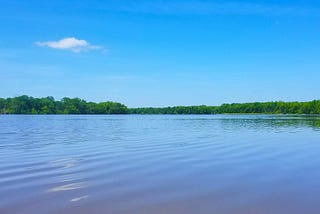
(270, 123)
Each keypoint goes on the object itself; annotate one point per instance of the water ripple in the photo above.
(159, 164)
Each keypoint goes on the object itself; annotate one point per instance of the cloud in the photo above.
(71, 44)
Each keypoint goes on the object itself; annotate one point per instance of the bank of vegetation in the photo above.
(48, 105)
(312, 107)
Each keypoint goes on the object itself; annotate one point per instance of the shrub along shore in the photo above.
(48, 105)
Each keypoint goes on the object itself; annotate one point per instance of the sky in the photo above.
(161, 53)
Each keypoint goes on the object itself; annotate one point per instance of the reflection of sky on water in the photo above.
(134, 161)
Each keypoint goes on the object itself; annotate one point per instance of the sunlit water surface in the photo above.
(135, 164)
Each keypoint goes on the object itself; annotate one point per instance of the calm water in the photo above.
(224, 164)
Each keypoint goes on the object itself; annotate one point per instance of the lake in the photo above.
(135, 164)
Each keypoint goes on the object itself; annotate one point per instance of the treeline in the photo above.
(48, 105)
(312, 107)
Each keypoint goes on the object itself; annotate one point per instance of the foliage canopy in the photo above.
(48, 105)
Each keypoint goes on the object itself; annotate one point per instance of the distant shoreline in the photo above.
(234, 114)
(48, 105)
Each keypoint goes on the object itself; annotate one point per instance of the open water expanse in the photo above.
(152, 164)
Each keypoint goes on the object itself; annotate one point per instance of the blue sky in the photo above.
(161, 53)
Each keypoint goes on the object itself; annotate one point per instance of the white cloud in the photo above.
(71, 44)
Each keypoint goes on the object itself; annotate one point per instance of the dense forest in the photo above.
(48, 105)
(312, 107)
